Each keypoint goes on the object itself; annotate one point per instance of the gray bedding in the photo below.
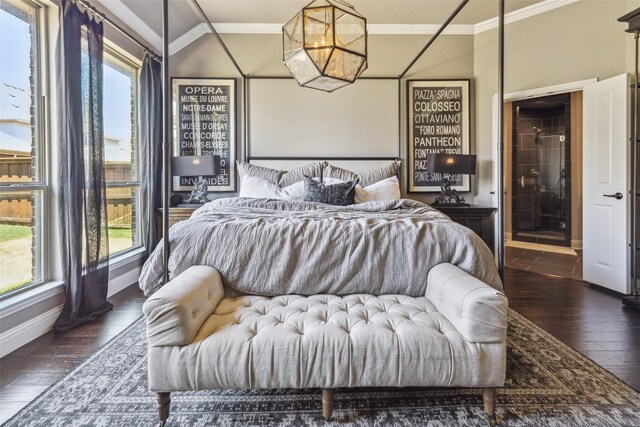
(276, 247)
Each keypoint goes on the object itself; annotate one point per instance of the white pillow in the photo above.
(387, 189)
(258, 188)
(331, 181)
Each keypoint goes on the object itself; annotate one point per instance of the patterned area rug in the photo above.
(548, 384)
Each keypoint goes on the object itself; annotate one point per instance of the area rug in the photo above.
(548, 384)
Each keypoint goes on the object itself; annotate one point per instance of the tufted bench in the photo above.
(200, 340)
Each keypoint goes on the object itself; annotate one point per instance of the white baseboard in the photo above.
(541, 247)
(22, 334)
(123, 281)
(28, 331)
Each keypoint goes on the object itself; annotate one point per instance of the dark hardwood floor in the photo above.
(31, 369)
(589, 320)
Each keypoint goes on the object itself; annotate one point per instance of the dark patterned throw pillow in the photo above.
(341, 194)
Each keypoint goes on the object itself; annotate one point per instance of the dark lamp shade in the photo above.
(195, 165)
(452, 164)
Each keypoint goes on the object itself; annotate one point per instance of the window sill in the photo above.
(22, 300)
(33, 296)
(125, 257)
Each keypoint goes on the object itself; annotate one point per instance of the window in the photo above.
(23, 154)
(23, 184)
(119, 109)
(121, 150)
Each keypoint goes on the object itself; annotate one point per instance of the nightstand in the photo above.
(477, 218)
(176, 215)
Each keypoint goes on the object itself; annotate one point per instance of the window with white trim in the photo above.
(120, 106)
(24, 188)
(23, 183)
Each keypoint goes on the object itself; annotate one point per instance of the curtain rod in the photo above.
(118, 28)
(435, 36)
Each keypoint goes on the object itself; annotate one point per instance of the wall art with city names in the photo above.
(438, 122)
(204, 123)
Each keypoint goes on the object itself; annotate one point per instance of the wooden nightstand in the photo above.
(176, 215)
(477, 218)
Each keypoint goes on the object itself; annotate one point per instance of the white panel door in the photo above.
(605, 184)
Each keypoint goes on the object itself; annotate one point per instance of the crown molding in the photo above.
(419, 29)
(187, 38)
(132, 20)
(261, 28)
(374, 29)
(521, 14)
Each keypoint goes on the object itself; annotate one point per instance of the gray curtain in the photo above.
(150, 149)
(81, 178)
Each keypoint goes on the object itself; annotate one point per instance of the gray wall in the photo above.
(575, 42)
(325, 124)
(371, 106)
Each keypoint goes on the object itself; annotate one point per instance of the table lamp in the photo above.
(447, 165)
(199, 166)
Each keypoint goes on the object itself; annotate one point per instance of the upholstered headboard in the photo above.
(354, 164)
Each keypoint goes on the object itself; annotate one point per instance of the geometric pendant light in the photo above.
(325, 45)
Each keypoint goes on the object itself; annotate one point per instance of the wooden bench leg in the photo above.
(489, 399)
(164, 403)
(327, 403)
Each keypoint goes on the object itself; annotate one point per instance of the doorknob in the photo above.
(617, 196)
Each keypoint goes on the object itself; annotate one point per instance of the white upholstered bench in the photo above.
(199, 340)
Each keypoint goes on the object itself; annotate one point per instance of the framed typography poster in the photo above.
(438, 122)
(204, 123)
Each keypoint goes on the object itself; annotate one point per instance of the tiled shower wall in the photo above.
(542, 193)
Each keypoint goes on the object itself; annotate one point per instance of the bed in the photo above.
(277, 247)
(272, 293)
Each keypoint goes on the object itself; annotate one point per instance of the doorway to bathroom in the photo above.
(543, 163)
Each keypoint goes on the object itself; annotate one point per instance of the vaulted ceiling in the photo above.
(267, 16)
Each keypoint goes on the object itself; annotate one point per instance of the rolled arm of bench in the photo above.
(476, 310)
(177, 311)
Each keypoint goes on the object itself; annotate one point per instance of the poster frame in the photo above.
(233, 126)
(466, 137)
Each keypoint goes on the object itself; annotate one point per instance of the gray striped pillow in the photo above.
(367, 177)
(270, 175)
(297, 174)
(279, 177)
